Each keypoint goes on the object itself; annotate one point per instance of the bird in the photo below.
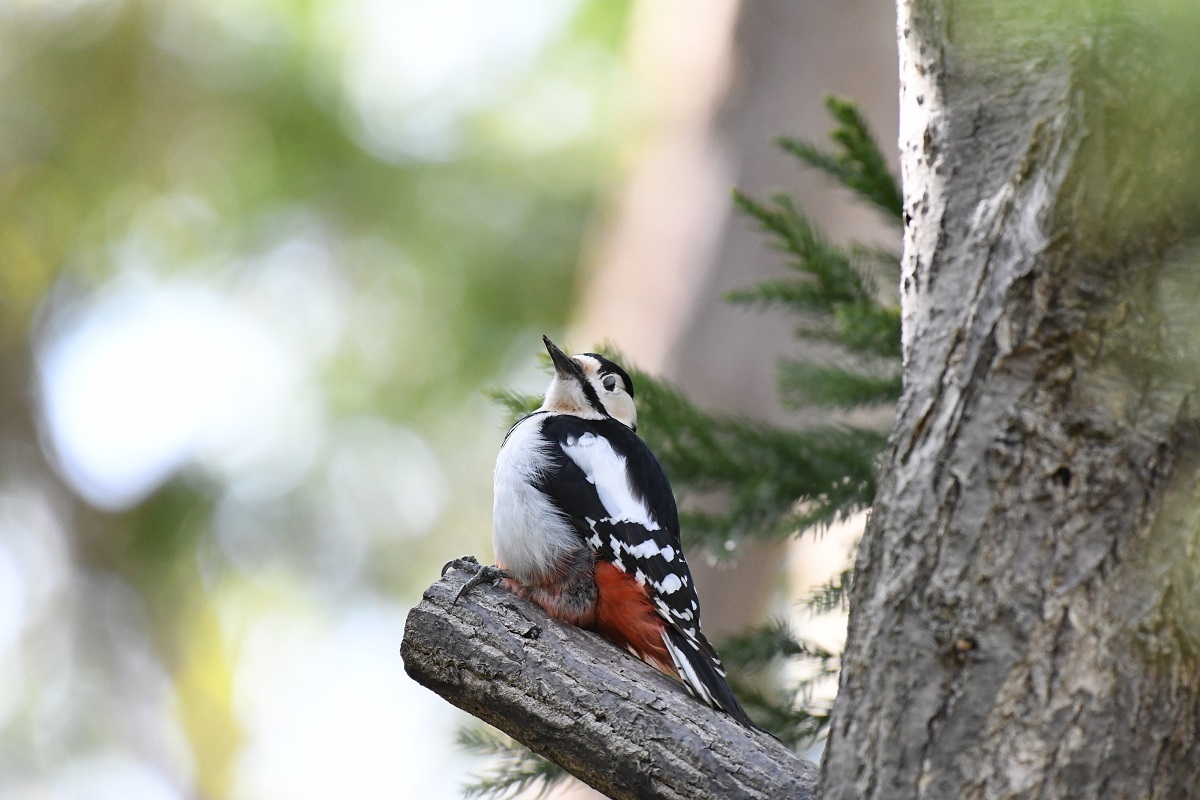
(585, 524)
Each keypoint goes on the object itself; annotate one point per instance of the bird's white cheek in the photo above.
(621, 407)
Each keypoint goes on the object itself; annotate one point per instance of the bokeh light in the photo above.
(257, 262)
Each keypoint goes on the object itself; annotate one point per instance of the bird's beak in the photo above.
(563, 365)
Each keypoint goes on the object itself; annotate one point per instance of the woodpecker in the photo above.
(585, 525)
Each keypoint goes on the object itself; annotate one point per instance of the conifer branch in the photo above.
(786, 712)
(830, 269)
(515, 404)
(831, 595)
(795, 723)
(763, 643)
(514, 767)
(803, 384)
(776, 481)
(860, 166)
(833, 282)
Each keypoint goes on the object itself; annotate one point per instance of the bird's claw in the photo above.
(466, 563)
(482, 574)
(486, 574)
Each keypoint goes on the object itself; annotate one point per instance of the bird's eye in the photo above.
(610, 382)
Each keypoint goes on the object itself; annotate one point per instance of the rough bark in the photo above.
(609, 719)
(1023, 616)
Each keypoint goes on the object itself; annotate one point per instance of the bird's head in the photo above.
(589, 385)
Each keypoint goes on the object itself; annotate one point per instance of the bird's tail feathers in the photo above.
(701, 671)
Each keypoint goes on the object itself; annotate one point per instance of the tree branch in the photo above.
(612, 721)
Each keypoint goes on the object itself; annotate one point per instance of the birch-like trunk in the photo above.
(1025, 617)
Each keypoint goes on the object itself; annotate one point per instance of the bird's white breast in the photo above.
(529, 535)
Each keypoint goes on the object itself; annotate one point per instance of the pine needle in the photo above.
(514, 769)
(803, 384)
(859, 166)
(761, 644)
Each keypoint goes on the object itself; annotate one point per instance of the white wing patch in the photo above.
(594, 539)
(650, 548)
(605, 468)
(615, 545)
(670, 584)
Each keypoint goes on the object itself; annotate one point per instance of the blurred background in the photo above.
(258, 261)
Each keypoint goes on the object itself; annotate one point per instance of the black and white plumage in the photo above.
(585, 524)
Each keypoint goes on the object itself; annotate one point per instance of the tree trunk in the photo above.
(1024, 616)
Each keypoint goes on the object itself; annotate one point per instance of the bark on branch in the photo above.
(612, 721)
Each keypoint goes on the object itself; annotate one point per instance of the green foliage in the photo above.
(837, 298)
(515, 404)
(514, 767)
(786, 711)
(754, 648)
(860, 165)
(831, 279)
(804, 384)
(786, 714)
(834, 294)
(831, 595)
(775, 481)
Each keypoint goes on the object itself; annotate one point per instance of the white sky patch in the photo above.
(412, 69)
(385, 479)
(363, 730)
(34, 568)
(376, 482)
(12, 607)
(109, 775)
(149, 377)
(554, 108)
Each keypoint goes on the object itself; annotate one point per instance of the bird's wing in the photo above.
(612, 488)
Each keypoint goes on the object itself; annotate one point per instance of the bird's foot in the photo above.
(482, 574)
(466, 563)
